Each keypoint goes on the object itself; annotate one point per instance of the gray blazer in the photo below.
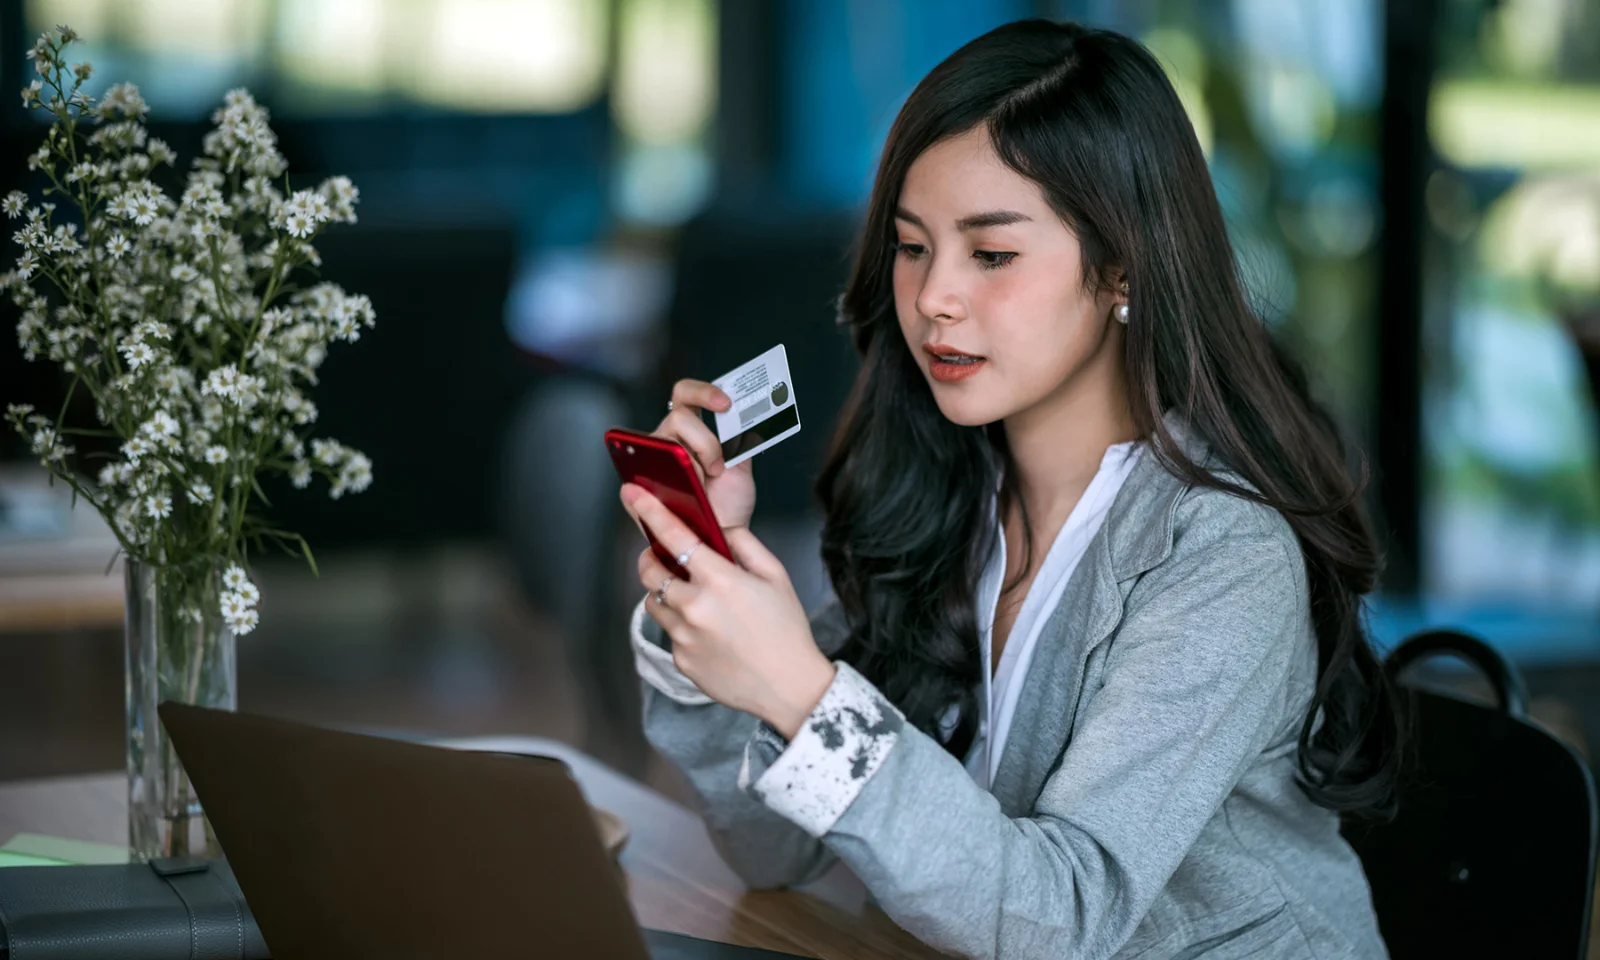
(1145, 805)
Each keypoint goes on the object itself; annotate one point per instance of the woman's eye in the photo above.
(911, 251)
(993, 259)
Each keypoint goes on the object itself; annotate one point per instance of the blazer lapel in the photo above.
(1136, 536)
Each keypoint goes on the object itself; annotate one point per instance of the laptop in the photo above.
(349, 846)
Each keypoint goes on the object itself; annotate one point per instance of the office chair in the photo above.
(1493, 850)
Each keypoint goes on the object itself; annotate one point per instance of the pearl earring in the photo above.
(1121, 313)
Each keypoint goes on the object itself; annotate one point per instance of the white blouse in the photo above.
(1002, 687)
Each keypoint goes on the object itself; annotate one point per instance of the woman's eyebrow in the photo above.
(975, 221)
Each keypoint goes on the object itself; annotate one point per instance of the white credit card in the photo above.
(763, 410)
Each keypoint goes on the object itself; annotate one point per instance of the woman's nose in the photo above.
(940, 298)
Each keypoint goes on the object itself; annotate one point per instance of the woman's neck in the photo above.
(1058, 444)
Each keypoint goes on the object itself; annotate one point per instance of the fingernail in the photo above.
(630, 493)
(718, 468)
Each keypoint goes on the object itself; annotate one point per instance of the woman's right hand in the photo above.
(732, 491)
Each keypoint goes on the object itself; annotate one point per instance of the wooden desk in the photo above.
(676, 880)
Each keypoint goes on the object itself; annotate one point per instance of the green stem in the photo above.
(72, 389)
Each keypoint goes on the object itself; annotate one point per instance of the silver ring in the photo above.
(661, 592)
(669, 406)
(683, 558)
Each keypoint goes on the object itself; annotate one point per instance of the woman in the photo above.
(1095, 682)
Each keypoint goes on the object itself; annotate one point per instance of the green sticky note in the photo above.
(34, 847)
(23, 860)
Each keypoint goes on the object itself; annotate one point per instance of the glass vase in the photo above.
(178, 648)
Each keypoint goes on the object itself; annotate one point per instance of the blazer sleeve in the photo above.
(715, 747)
(1192, 693)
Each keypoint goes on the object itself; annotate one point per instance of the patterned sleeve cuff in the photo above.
(815, 777)
(655, 666)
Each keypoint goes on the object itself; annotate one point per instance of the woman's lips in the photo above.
(952, 372)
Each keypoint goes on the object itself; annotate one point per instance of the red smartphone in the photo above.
(665, 469)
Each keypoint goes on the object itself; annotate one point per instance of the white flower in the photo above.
(313, 206)
(238, 609)
(222, 382)
(198, 192)
(248, 593)
(138, 354)
(341, 196)
(47, 444)
(63, 239)
(298, 225)
(158, 506)
(234, 577)
(32, 236)
(117, 246)
(201, 492)
(249, 391)
(132, 166)
(123, 98)
(183, 273)
(13, 204)
(327, 451)
(126, 520)
(160, 152)
(273, 319)
(216, 453)
(161, 426)
(135, 449)
(30, 93)
(300, 474)
(26, 264)
(355, 476)
(211, 414)
(242, 620)
(144, 210)
(296, 405)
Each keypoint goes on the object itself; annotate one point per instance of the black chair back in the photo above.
(1493, 850)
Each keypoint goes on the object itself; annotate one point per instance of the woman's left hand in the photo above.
(738, 631)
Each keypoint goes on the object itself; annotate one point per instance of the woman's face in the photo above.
(984, 265)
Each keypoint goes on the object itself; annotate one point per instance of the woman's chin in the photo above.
(966, 414)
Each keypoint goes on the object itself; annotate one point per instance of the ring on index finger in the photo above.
(669, 406)
(683, 558)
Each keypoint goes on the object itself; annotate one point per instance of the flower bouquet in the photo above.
(181, 316)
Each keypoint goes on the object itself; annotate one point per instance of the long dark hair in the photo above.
(1090, 117)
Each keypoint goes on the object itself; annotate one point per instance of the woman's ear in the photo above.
(1117, 282)
(1119, 294)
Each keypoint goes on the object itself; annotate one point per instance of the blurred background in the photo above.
(568, 204)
